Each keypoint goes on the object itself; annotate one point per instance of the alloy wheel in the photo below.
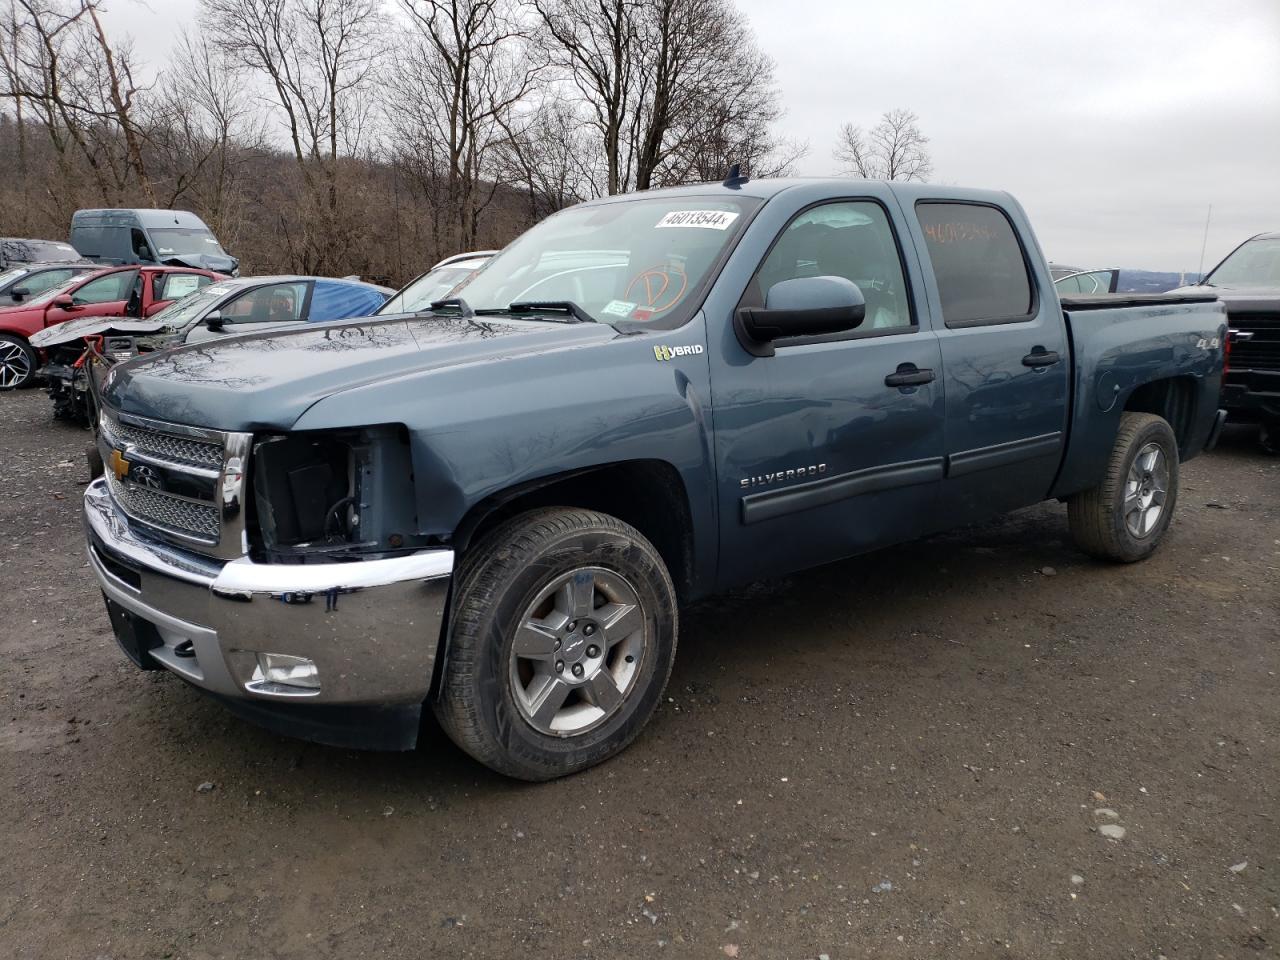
(578, 651)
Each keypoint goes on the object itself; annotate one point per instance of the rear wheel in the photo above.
(562, 636)
(17, 362)
(1126, 515)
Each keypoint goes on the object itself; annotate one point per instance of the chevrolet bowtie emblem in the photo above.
(119, 465)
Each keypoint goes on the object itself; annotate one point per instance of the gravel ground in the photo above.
(918, 754)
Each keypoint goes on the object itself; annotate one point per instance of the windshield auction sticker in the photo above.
(707, 219)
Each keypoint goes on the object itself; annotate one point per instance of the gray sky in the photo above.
(1115, 122)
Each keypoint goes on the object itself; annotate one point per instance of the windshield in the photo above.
(181, 313)
(644, 260)
(180, 241)
(432, 286)
(1255, 264)
(37, 251)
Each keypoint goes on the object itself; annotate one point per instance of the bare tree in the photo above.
(548, 152)
(56, 58)
(894, 149)
(317, 59)
(595, 43)
(462, 72)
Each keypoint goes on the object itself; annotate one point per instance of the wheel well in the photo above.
(648, 494)
(1173, 399)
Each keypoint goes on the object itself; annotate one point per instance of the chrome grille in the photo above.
(166, 446)
(167, 512)
(184, 483)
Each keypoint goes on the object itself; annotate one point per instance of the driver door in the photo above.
(818, 457)
(103, 296)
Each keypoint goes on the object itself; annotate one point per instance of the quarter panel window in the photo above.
(851, 239)
(978, 263)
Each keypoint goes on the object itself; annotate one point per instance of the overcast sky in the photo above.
(1116, 122)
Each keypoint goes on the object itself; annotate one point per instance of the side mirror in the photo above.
(801, 307)
(20, 293)
(65, 301)
(144, 254)
(213, 320)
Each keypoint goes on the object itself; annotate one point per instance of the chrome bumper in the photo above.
(372, 627)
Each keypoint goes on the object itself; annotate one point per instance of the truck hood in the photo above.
(267, 381)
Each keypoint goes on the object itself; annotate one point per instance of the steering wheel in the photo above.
(659, 288)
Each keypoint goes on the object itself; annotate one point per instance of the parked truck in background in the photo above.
(1247, 281)
(494, 509)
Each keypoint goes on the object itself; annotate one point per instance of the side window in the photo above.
(851, 239)
(1069, 285)
(175, 286)
(108, 289)
(141, 249)
(978, 263)
(274, 304)
(40, 282)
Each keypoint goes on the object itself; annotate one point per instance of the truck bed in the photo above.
(1121, 343)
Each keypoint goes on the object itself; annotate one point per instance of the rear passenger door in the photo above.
(1005, 358)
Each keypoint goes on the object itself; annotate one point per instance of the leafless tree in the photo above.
(316, 58)
(549, 152)
(57, 60)
(204, 129)
(463, 69)
(894, 149)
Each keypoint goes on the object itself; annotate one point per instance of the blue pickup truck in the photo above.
(494, 508)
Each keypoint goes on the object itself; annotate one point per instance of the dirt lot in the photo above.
(899, 756)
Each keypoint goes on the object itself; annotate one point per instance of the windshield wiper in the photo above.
(457, 303)
(556, 306)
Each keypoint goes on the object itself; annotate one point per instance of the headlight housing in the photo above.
(325, 494)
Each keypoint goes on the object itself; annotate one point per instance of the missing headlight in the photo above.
(306, 491)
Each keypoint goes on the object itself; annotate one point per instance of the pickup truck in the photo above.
(1247, 282)
(495, 508)
(110, 292)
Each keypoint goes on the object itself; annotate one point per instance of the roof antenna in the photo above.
(735, 178)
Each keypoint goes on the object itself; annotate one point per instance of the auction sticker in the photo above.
(707, 219)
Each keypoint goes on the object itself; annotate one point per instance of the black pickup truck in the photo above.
(1248, 283)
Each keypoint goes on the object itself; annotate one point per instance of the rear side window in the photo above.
(175, 286)
(978, 262)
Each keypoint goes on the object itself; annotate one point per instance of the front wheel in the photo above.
(562, 636)
(17, 362)
(1125, 516)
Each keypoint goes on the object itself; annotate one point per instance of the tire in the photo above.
(1269, 437)
(1115, 520)
(546, 568)
(18, 362)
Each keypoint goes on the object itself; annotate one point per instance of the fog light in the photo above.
(286, 670)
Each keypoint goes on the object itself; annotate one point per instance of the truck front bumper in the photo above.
(369, 630)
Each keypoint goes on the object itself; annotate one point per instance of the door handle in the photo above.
(1040, 358)
(909, 375)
